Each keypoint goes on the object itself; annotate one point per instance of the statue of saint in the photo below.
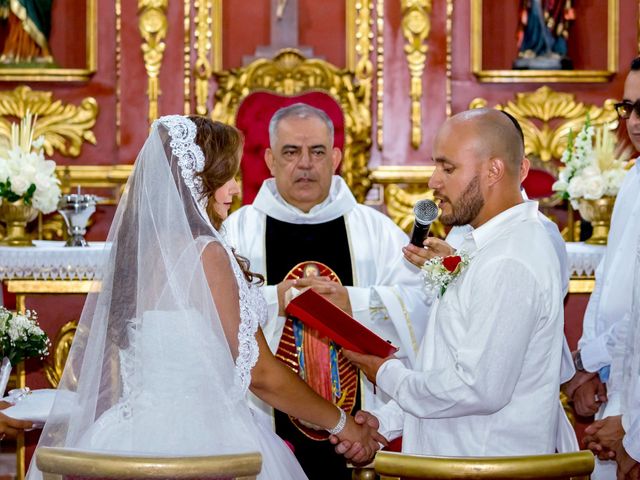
(28, 27)
(543, 33)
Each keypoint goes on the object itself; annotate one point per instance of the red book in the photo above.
(319, 313)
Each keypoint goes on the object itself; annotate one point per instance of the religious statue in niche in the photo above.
(27, 25)
(543, 33)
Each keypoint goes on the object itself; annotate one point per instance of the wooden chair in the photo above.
(59, 463)
(397, 466)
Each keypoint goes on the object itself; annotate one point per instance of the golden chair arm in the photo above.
(559, 465)
(54, 462)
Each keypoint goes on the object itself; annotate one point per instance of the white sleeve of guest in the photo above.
(483, 372)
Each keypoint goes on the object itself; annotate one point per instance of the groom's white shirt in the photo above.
(488, 370)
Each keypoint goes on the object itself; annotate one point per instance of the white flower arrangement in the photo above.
(24, 172)
(440, 272)
(21, 337)
(594, 165)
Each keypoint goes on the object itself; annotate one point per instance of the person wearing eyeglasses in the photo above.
(600, 359)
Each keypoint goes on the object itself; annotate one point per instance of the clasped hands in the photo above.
(360, 440)
(604, 439)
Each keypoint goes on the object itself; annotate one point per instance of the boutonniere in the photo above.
(439, 272)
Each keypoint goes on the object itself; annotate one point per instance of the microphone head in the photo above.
(426, 211)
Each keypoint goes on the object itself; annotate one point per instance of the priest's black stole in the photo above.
(286, 245)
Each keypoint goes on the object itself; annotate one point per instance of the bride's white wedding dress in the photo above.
(161, 363)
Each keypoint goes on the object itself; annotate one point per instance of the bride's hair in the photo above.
(222, 146)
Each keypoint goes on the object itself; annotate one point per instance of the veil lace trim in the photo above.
(191, 161)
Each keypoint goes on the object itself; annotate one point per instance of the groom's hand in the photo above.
(363, 450)
(432, 247)
(368, 364)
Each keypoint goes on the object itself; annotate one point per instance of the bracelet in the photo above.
(340, 425)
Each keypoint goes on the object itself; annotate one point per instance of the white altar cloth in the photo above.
(584, 258)
(50, 260)
(53, 261)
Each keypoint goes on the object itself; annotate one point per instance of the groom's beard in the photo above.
(467, 207)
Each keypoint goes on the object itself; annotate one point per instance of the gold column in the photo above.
(416, 26)
(359, 45)
(152, 24)
(187, 57)
(380, 73)
(202, 67)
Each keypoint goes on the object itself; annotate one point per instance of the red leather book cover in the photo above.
(317, 312)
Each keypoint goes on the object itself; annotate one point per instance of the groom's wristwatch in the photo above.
(577, 361)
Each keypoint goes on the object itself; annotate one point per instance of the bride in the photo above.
(168, 345)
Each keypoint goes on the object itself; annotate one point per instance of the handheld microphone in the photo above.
(426, 211)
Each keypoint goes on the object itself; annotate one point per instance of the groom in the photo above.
(489, 364)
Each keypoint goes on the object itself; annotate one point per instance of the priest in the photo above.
(305, 229)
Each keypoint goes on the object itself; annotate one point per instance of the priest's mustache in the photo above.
(304, 176)
(426, 212)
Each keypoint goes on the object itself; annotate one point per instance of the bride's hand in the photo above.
(360, 440)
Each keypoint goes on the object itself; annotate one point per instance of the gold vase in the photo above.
(598, 213)
(16, 215)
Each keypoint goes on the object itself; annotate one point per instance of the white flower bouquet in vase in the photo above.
(28, 182)
(595, 167)
(20, 338)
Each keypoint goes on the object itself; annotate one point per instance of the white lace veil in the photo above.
(150, 370)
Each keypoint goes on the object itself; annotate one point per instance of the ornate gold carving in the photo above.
(54, 367)
(449, 63)
(290, 73)
(363, 47)
(359, 43)
(64, 127)
(203, 46)
(186, 91)
(152, 24)
(416, 27)
(559, 114)
(380, 73)
(544, 76)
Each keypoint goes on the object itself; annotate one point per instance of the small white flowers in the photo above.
(21, 337)
(594, 167)
(440, 272)
(25, 173)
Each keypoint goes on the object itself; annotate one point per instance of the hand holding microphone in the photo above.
(426, 212)
(416, 252)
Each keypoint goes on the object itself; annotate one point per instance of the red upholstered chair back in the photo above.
(538, 184)
(254, 114)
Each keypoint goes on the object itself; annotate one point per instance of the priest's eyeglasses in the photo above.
(625, 108)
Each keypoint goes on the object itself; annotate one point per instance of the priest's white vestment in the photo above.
(487, 376)
(388, 295)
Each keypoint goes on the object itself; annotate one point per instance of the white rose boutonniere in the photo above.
(440, 272)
